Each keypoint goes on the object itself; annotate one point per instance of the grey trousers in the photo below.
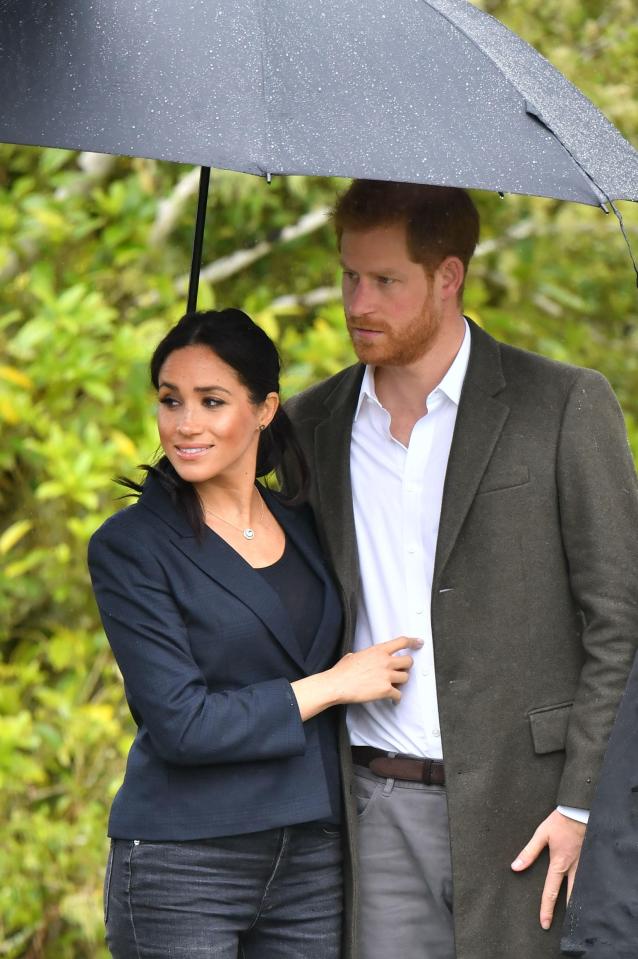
(405, 898)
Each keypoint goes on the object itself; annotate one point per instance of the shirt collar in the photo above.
(451, 384)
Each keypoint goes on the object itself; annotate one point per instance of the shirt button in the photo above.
(411, 549)
(419, 612)
(436, 733)
(413, 488)
(425, 671)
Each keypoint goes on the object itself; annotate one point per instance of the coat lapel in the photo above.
(221, 563)
(332, 468)
(479, 422)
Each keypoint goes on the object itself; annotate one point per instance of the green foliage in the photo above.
(89, 283)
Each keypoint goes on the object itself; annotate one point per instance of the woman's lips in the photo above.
(191, 452)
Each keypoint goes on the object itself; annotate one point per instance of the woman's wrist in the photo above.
(316, 693)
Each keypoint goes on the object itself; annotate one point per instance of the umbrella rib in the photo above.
(534, 112)
(265, 169)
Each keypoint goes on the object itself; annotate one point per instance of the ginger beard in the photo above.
(397, 345)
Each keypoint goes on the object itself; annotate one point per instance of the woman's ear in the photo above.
(268, 409)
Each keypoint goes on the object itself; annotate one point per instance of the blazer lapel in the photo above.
(332, 470)
(479, 422)
(221, 563)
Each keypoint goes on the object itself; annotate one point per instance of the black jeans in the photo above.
(268, 895)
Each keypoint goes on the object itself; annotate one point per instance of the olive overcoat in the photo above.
(534, 611)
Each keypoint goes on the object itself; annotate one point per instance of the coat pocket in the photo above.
(548, 725)
(495, 480)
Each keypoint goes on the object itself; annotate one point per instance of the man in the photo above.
(484, 499)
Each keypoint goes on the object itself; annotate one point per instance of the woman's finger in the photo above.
(401, 642)
(400, 678)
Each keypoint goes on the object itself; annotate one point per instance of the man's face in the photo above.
(391, 308)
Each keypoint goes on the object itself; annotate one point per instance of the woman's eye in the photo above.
(211, 402)
(168, 401)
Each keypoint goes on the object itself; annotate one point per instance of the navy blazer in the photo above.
(208, 653)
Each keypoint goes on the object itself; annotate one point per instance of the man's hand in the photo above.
(564, 837)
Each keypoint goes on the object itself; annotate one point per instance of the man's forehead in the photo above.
(388, 235)
(385, 245)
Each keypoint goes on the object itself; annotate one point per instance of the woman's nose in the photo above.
(189, 423)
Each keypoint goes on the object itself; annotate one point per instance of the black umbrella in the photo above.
(431, 91)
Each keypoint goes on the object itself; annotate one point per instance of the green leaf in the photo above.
(13, 534)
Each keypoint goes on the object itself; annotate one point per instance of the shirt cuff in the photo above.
(573, 812)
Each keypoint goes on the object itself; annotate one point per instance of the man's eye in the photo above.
(348, 275)
(385, 280)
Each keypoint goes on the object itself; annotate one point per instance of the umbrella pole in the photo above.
(198, 240)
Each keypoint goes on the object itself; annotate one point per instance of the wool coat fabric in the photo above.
(534, 612)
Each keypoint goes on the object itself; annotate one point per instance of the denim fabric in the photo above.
(268, 895)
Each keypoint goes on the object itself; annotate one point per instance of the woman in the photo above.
(225, 624)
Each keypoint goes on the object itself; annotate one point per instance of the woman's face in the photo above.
(208, 426)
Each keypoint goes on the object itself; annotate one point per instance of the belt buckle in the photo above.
(426, 775)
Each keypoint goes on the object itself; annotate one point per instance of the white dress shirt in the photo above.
(397, 493)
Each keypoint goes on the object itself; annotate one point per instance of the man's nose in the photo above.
(360, 300)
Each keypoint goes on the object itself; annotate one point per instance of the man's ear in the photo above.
(450, 275)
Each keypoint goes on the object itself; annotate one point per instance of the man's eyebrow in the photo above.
(387, 271)
(197, 389)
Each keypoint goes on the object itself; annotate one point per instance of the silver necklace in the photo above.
(248, 532)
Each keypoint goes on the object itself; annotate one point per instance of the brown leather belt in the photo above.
(430, 772)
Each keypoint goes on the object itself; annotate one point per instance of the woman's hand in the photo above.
(372, 673)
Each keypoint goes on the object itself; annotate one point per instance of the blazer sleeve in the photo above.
(598, 503)
(187, 722)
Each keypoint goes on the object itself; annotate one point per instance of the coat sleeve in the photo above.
(598, 502)
(187, 722)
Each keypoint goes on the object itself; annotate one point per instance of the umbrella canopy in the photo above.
(430, 91)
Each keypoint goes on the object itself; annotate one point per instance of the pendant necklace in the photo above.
(248, 532)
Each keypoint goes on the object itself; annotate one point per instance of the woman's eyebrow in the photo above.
(209, 389)
(197, 389)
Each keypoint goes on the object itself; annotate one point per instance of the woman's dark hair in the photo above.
(242, 345)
